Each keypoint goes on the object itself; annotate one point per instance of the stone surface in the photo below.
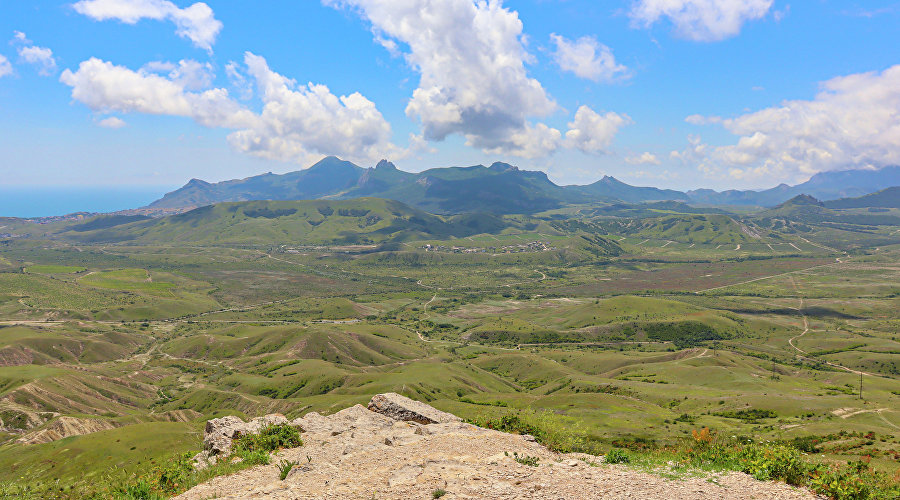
(357, 453)
(400, 407)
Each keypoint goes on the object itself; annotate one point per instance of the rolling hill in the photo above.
(360, 221)
(809, 210)
(886, 198)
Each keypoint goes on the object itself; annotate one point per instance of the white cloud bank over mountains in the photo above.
(700, 20)
(474, 82)
(197, 23)
(473, 63)
(852, 122)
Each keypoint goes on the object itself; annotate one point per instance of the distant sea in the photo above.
(46, 201)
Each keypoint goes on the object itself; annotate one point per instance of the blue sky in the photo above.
(677, 93)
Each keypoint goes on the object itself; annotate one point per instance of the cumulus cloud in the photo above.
(645, 158)
(700, 20)
(188, 73)
(587, 58)
(695, 153)
(105, 87)
(472, 60)
(197, 23)
(592, 132)
(112, 122)
(41, 57)
(297, 123)
(19, 37)
(852, 122)
(5, 66)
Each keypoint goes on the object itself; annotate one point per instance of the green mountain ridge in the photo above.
(886, 198)
(500, 188)
(377, 222)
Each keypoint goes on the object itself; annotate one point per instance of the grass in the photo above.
(589, 352)
(285, 467)
(54, 269)
(707, 450)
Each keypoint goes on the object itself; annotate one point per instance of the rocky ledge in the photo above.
(400, 448)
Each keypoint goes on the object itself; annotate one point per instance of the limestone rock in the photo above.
(220, 432)
(393, 454)
(399, 407)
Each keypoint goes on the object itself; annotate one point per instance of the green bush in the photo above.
(255, 457)
(617, 456)
(269, 439)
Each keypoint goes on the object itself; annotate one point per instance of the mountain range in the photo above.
(500, 188)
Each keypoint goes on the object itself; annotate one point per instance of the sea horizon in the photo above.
(48, 201)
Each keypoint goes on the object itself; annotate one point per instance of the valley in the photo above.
(119, 338)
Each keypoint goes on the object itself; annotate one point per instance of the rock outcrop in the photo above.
(402, 408)
(221, 432)
(389, 454)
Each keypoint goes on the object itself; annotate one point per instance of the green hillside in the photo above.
(886, 198)
(706, 229)
(363, 221)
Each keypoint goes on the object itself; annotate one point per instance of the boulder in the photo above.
(220, 432)
(399, 407)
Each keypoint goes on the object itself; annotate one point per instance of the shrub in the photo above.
(617, 456)
(438, 493)
(270, 438)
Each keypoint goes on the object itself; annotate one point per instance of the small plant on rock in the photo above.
(284, 468)
(256, 457)
(524, 459)
(438, 493)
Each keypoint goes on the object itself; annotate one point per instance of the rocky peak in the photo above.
(503, 167)
(385, 165)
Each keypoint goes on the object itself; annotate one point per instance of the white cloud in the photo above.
(105, 87)
(702, 120)
(852, 122)
(239, 81)
(188, 73)
(472, 61)
(112, 122)
(196, 23)
(700, 20)
(40, 57)
(592, 132)
(298, 124)
(645, 158)
(19, 37)
(695, 153)
(587, 58)
(5, 66)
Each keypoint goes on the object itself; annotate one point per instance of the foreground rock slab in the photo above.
(358, 453)
(399, 407)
